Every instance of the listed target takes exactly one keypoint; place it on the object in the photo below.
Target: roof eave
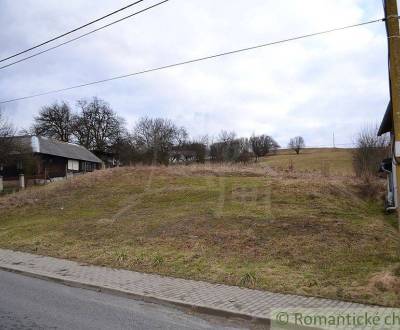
(387, 121)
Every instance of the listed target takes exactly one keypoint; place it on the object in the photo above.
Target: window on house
(73, 165)
(89, 167)
(19, 165)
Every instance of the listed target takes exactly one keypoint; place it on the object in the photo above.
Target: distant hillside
(328, 160)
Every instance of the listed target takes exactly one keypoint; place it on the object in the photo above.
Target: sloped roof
(387, 121)
(42, 145)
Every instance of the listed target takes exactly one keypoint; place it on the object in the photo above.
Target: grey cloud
(311, 87)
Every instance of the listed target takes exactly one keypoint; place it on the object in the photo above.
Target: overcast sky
(313, 87)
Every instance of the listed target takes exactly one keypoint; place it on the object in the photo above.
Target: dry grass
(325, 161)
(252, 226)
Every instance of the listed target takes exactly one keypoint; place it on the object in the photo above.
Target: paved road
(28, 303)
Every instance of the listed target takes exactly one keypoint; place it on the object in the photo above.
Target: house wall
(9, 171)
(21, 164)
(42, 166)
(88, 166)
(58, 166)
(51, 166)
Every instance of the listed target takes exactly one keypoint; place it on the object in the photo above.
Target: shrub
(158, 260)
(263, 145)
(248, 279)
(370, 150)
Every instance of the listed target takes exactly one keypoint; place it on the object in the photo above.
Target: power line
(191, 61)
(81, 36)
(71, 31)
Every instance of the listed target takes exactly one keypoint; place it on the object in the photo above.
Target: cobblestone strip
(216, 297)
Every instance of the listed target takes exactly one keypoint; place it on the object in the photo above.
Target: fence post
(22, 181)
(1, 184)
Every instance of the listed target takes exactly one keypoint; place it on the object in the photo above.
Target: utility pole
(392, 25)
(334, 146)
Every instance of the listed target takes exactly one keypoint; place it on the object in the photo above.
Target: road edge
(142, 297)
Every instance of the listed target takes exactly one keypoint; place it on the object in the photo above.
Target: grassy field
(258, 226)
(326, 161)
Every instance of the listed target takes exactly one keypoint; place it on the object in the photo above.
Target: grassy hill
(259, 226)
(324, 160)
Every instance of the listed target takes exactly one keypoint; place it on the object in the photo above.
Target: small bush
(370, 150)
(248, 279)
(158, 260)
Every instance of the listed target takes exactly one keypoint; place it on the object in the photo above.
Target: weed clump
(248, 279)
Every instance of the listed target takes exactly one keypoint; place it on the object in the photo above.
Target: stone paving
(222, 298)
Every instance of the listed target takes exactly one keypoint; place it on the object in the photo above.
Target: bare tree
(54, 121)
(228, 148)
(125, 150)
(223, 150)
(7, 143)
(82, 129)
(181, 136)
(217, 152)
(154, 138)
(263, 145)
(226, 136)
(97, 127)
(370, 150)
(243, 152)
(297, 143)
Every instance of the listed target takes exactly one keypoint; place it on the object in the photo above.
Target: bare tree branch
(54, 121)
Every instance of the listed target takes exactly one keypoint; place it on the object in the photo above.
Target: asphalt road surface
(29, 303)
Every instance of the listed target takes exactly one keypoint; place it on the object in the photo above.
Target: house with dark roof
(43, 158)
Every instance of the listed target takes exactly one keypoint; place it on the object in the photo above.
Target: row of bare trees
(97, 127)
(93, 124)
(152, 140)
(229, 148)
